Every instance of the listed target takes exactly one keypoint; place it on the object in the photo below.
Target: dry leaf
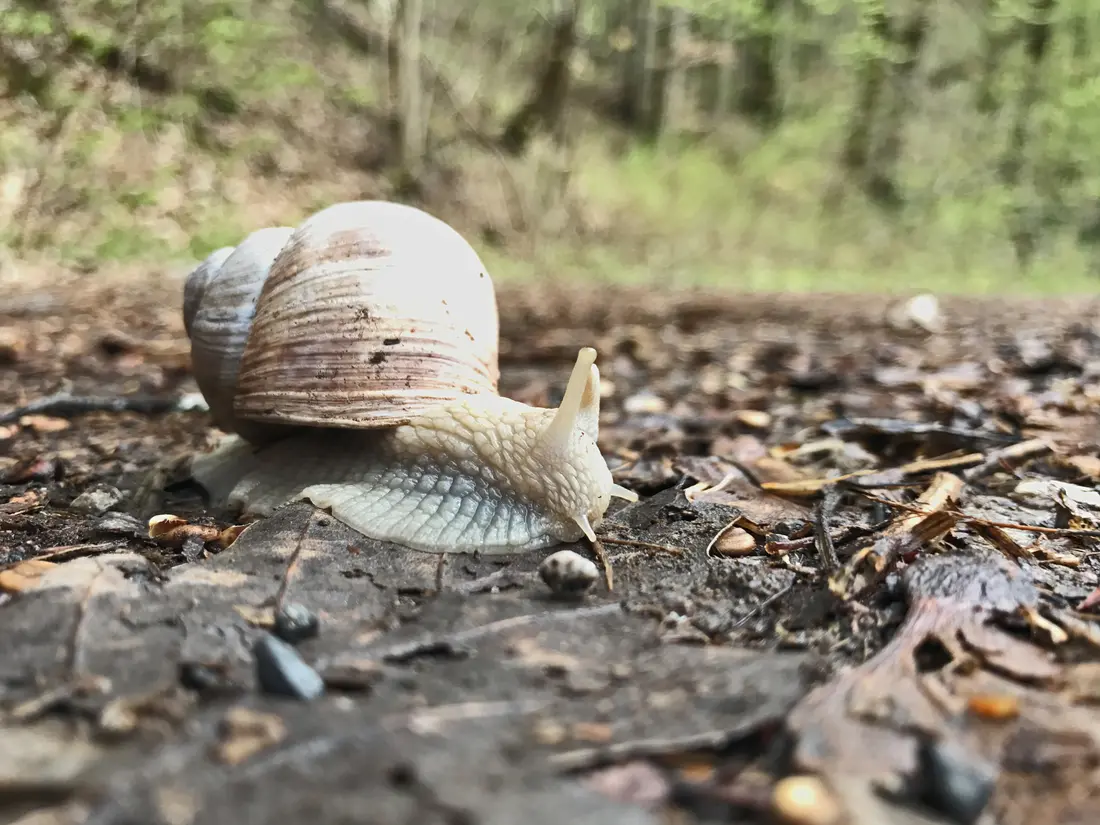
(757, 419)
(1086, 465)
(246, 732)
(24, 575)
(44, 423)
(591, 732)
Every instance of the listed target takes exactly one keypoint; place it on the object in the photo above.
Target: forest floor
(861, 561)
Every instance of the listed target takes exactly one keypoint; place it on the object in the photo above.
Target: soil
(858, 585)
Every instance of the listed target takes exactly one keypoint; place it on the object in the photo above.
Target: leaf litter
(860, 584)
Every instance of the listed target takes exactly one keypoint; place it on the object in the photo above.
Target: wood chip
(246, 732)
(24, 575)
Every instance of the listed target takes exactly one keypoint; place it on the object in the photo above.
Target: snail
(352, 363)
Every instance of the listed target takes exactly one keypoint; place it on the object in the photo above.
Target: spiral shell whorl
(197, 280)
(220, 325)
(372, 313)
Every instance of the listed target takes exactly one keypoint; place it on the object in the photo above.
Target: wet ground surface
(858, 583)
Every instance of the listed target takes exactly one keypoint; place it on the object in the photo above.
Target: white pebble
(568, 572)
(919, 312)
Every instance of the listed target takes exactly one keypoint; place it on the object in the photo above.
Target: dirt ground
(857, 586)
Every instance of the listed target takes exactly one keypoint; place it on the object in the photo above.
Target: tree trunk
(393, 64)
(546, 104)
(998, 40)
(759, 95)
(856, 155)
(674, 87)
(723, 90)
(1037, 35)
(807, 50)
(642, 66)
(881, 185)
(411, 128)
(1082, 42)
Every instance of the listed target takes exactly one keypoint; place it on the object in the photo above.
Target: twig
(62, 405)
(584, 758)
(69, 552)
(777, 548)
(645, 545)
(907, 534)
(823, 541)
(505, 577)
(764, 605)
(1007, 457)
(1029, 528)
(608, 576)
(291, 568)
(433, 719)
(1004, 525)
(453, 642)
(439, 568)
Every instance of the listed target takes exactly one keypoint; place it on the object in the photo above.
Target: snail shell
(219, 302)
(196, 284)
(355, 359)
(343, 336)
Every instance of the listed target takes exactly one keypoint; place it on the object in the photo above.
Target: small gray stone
(295, 623)
(954, 782)
(282, 672)
(97, 500)
(192, 402)
(121, 524)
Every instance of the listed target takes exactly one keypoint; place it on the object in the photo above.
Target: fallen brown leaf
(246, 732)
(44, 423)
(24, 575)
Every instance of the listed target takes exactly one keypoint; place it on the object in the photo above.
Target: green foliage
(24, 23)
(205, 118)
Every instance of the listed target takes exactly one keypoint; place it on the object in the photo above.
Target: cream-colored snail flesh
(353, 363)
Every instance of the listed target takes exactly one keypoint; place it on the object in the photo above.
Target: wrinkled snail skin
(464, 470)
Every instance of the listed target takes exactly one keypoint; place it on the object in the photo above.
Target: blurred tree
(1037, 38)
(759, 95)
(885, 84)
(545, 106)
(411, 122)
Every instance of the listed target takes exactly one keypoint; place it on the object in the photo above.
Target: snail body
(352, 361)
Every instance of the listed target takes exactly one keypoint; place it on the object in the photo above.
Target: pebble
(282, 672)
(954, 782)
(120, 524)
(805, 800)
(756, 419)
(97, 501)
(568, 572)
(295, 623)
(919, 312)
(192, 402)
(644, 402)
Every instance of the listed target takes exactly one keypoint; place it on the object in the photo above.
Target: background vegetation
(836, 144)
